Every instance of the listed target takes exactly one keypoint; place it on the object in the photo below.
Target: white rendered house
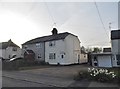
(115, 39)
(9, 50)
(58, 48)
(62, 48)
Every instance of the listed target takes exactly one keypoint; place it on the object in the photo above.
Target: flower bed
(101, 75)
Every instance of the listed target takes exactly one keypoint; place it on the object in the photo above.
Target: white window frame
(52, 43)
(38, 45)
(52, 56)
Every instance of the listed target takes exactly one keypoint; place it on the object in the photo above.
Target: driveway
(58, 76)
(50, 76)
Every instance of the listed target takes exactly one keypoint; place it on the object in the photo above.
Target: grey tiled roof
(4, 45)
(48, 38)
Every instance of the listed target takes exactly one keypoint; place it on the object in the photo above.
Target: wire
(54, 23)
(101, 19)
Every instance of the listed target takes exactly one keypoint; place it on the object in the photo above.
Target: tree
(88, 50)
(97, 50)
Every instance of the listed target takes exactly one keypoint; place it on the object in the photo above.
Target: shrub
(101, 75)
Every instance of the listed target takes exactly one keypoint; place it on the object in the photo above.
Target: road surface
(57, 76)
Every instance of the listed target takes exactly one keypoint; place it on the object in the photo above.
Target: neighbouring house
(35, 48)
(9, 50)
(115, 40)
(83, 57)
(58, 48)
(103, 59)
(110, 56)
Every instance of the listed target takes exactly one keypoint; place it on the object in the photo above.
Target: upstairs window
(38, 45)
(52, 56)
(52, 43)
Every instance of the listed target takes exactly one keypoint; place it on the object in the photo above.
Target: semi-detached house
(58, 48)
(9, 50)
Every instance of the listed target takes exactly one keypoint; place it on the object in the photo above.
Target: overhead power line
(52, 18)
(101, 20)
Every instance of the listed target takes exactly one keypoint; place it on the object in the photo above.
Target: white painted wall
(70, 46)
(115, 51)
(8, 51)
(58, 48)
(114, 61)
(115, 46)
(104, 61)
(83, 58)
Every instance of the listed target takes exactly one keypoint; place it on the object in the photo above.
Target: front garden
(20, 64)
(100, 75)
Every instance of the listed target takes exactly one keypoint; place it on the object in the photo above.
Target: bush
(101, 75)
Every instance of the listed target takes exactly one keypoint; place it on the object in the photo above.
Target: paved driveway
(58, 76)
(58, 71)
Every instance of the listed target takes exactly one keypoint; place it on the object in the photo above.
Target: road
(11, 82)
(51, 76)
(57, 76)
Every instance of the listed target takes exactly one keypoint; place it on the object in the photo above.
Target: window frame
(38, 45)
(52, 43)
(52, 56)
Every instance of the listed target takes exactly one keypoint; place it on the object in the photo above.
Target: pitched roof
(48, 38)
(4, 45)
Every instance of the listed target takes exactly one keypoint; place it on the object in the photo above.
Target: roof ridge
(48, 38)
(9, 43)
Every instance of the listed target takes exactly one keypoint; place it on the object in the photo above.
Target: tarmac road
(55, 76)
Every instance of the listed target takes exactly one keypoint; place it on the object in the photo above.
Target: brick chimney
(54, 31)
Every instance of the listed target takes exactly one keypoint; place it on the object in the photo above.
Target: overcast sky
(23, 21)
